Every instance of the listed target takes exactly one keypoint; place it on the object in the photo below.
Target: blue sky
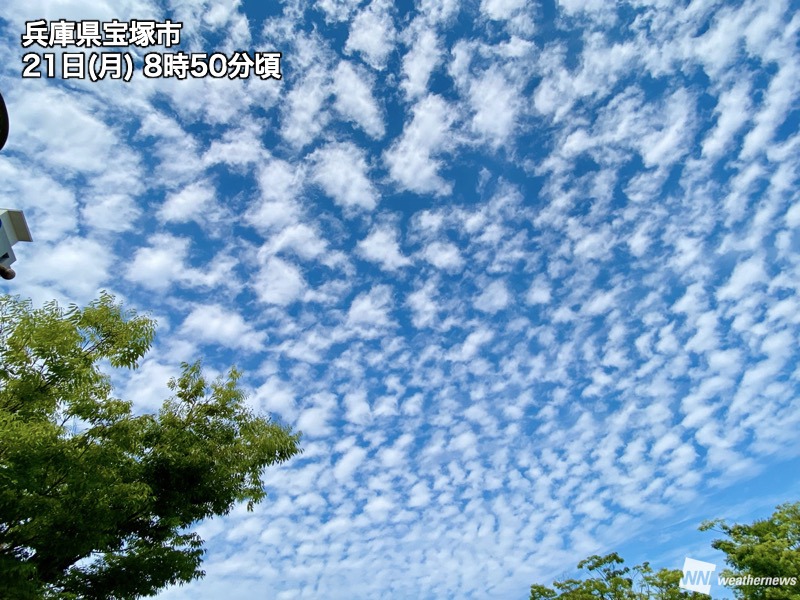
(526, 275)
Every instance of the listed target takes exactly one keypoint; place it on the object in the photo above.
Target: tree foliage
(95, 501)
(764, 561)
(610, 580)
(766, 549)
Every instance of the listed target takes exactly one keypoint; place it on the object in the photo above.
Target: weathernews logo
(697, 576)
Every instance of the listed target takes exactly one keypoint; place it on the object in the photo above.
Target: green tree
(611, 581)
(95, 501)
(764, 558)
(768, 548)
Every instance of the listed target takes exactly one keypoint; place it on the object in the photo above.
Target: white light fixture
(13, 229)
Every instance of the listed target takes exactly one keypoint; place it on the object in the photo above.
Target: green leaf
(120, 494)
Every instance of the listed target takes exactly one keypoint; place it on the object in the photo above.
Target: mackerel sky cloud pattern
(526, 274)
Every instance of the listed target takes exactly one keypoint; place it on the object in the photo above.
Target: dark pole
(3, 122)
(5, 272)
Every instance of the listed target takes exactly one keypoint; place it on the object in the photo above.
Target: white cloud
(381, 246)
(370, 310)
(238, 148)
(348, 463)
(372, 33)
(279, 184)
(378, 507)
(423, 305)
(276, 396)
(443, 255)
(780, 96)
(355, 101)
(424, 54)
(61, 131)
(51, 207)
(438, 11)
(419, 495)
(111, 212)
(159, 265)
(575, 6)
(164, 263)
(746, 273)
(411, 159)
(501, 9)
(614, 208)
(357, 408)
(666, 145)
(75, 265)
(279, 282)
(190, 203)
(214, 324)
(539, 292)
(496, 104)
(717, 47)
(494, 297)
(734, 111)
(338, 10)
(472, 344)
(793, 215)
(177, 150)
(341, 170)
(303, 115)
(315, 421)
(300, 238)
(147, 386)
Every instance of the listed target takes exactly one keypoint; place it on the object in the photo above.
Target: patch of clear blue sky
(666, 542)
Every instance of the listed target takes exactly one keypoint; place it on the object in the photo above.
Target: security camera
(13, 229)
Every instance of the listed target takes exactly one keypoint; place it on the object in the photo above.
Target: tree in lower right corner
(609, 579)
(766, 549)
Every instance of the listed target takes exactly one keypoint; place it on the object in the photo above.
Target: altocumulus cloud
(526, 275)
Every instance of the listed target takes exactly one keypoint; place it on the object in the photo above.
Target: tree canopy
(766, 549)
(610, 580)
(764, 561)
(96, 501)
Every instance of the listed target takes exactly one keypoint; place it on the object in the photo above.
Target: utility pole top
(4, 125)
(13, 227)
